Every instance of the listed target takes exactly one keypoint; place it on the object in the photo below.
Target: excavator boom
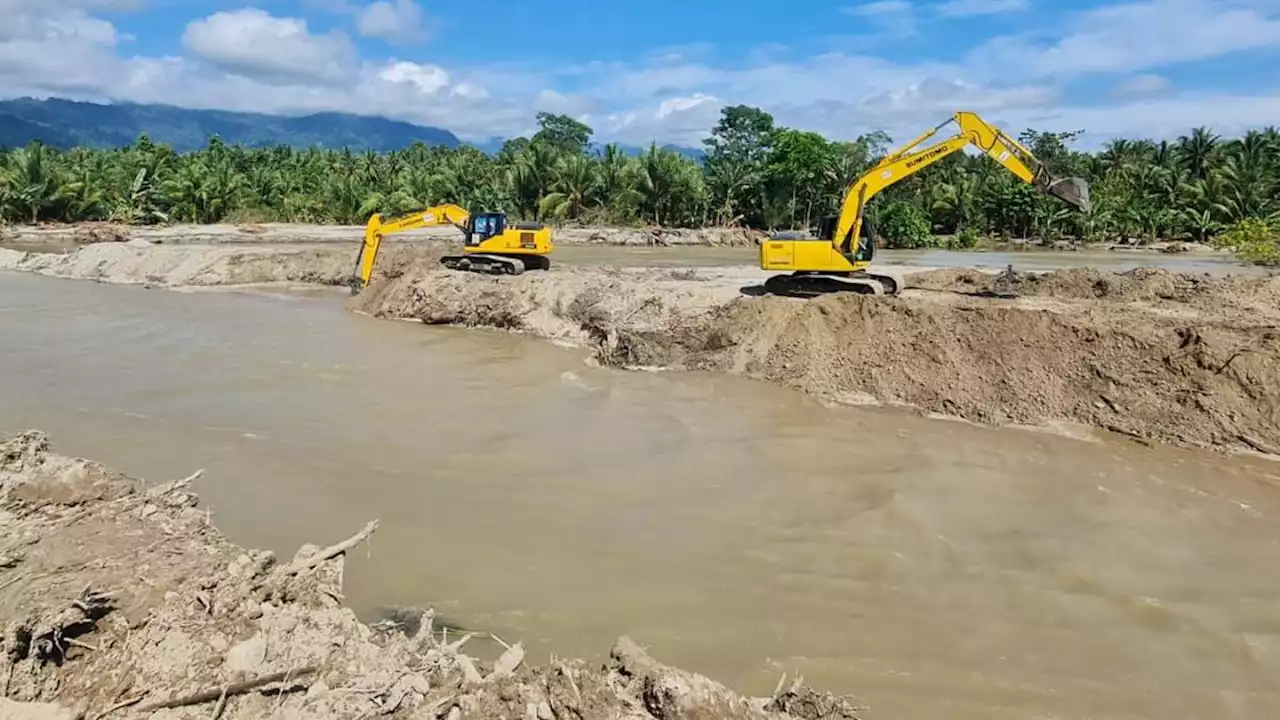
(846, 248)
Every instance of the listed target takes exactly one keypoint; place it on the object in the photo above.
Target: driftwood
(227, 691)
(119, 706)
(165, 488)
(302, 565)
(507, 664)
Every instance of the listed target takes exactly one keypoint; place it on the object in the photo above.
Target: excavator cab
(483, 226)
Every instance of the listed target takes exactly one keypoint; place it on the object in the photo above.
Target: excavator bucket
(1074, 191)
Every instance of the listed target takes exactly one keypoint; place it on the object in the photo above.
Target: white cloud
(681, 120)
(429, 79)
(547, 100)
(395, 21)
(896, 17)
(55, 46)
(1228, 114)
(976, 8)
(1135, 36)
(256, 44)
(1145, 84)
(55, 20)
(878, 8)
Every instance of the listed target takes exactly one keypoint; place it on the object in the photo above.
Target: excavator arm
(911, 159)
(837, 259)
(377, 228)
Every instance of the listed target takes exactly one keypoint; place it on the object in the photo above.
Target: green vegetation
(1200, 187)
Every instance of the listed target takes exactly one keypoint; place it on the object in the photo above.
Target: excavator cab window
(827, 227)
(866, 242)
(485, 226)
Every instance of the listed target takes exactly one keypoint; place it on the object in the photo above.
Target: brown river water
(935, 568)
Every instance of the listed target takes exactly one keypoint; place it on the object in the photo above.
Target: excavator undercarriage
(812, 284)
(496, 264)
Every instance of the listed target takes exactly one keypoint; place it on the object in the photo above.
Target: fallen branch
(304, 564)
(1257, 444)
(165, 488)
(227, 691)
(222, 705)
(507, 664)
(120, 706)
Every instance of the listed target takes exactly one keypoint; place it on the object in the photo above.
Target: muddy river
(938, 569)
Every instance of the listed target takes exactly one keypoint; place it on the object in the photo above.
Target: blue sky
(662, 69)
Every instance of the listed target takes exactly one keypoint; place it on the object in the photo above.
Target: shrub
(966, 238)
(905, 226)
(1252, 240)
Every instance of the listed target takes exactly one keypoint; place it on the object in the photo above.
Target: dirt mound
(611, 309)
(86, 233)
(1139, 284)
(122, 599)
(1207, 384)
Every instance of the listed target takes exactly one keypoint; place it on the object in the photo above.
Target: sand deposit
(120, 599)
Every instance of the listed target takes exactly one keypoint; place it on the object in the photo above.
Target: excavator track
(496, 264)
(811, 284)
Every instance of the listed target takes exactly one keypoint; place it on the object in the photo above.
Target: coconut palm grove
(1199, 187)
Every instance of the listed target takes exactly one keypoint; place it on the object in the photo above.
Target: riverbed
(736, 528)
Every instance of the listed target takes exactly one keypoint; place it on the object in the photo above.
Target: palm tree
(576, 180)
(30, 179)
(1196, 151)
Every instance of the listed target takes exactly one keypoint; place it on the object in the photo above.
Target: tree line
(755, 173)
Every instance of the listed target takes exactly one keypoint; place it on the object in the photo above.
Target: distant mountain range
(69, 123)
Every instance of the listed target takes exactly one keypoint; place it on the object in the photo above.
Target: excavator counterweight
(838, 256)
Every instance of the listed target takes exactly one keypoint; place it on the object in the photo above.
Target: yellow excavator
(834, 261)
(491, 243)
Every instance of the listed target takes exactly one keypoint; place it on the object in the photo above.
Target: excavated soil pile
(122, 600)
(1150, 354)
(1141, 284)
